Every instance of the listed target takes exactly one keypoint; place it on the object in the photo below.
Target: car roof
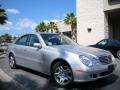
(38, 33)
(46, 33)
(112, 39)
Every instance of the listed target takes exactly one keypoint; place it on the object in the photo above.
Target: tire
(12, 61)
(62, 74)
(118, 54)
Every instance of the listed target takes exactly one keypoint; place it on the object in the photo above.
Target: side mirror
(37, 45)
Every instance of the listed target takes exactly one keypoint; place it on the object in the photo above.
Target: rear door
(20, 49)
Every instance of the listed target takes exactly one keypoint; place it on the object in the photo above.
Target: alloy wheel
(12, 62)
(63, 75)
(118, 54)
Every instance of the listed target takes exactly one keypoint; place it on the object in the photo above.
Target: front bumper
(93, 74)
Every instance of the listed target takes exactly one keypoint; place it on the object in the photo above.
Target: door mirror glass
(38, 45)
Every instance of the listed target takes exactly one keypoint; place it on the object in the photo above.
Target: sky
(24, 15)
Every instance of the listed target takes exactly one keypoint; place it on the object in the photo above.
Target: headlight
(86, 61)
(112, 57)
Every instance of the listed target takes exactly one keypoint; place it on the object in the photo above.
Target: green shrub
(1, 50)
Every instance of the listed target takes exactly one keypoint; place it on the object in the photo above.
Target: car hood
(77, 49)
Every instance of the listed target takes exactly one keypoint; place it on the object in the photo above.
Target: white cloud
(56, 20)
(14, 11)
(57, 16)
(21, 24)
(4, 27)
(7, 26)
(46, 21)
(53, 20)
(9, 23)
(25, 23)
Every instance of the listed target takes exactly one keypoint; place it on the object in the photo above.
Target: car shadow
(32, 84)
(35, 72)
(94, 85)
(98, 84)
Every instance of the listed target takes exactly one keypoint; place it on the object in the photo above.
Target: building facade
(63, 28)
(96, 20)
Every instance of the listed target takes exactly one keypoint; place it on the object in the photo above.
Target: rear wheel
(118, 54)
(62, 74)
(12, 61)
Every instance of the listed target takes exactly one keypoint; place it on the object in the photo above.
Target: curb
(9, 83)
(2, 55)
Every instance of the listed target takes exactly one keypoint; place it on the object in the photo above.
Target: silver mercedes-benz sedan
(60, 57)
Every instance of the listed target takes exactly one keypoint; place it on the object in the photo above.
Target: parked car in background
(2, 44)
(112, 45)
(59, 56)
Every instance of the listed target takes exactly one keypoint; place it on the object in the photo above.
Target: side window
(23, 40)
(33, 39)
(103, 43)
(114, 43)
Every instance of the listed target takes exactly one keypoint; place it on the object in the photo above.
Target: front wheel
(62, 74)
(118, 54)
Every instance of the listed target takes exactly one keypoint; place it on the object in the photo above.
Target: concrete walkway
(2, 55)
(7, 83)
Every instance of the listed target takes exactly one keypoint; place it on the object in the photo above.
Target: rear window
(22, 40)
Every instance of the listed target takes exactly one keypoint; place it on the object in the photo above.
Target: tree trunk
(57, 30)
(51, 30)
(74, 32)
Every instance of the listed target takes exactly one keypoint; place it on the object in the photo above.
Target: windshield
(115, 42)
(57, 39)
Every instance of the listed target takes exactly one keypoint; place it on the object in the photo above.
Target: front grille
(93, 75)
(105, 59)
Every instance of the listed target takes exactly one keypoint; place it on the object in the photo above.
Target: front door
(34, 55)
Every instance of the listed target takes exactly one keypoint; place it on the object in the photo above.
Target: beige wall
(90, 15)
(94, 14)
(62, 27)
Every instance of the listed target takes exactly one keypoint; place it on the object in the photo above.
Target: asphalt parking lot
(26, 79)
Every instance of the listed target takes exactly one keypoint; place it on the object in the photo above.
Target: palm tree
(71, 20)
(3, 16)
(6, 37)
(42, 27)
(52, 26)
